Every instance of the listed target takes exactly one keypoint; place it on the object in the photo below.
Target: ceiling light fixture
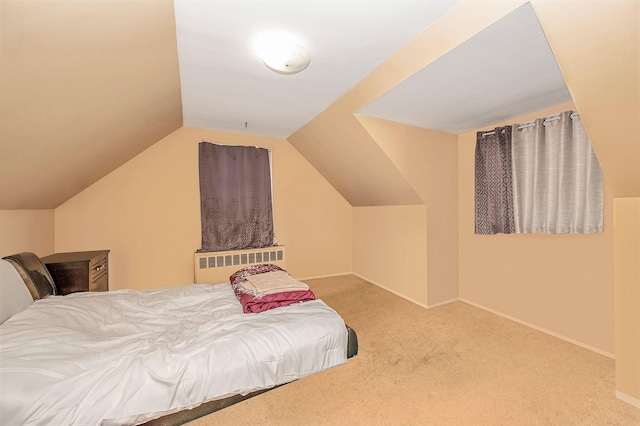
(282, 55)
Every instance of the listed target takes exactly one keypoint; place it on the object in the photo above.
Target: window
(235, 197)
(541, 176)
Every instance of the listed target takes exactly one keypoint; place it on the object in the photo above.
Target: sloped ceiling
(504, 71)
(87, 85)
(84, 87)
(596, 46)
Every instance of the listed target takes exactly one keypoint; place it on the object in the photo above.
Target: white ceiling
(505, 71)
(224, 84)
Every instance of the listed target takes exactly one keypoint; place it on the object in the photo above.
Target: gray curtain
(235, 197)
(493, 185)
(557, 179)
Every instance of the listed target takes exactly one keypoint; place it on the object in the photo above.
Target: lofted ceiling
(86, 86)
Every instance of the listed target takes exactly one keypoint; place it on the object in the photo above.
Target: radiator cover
(216, 267)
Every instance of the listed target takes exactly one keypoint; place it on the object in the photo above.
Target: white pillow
(14, 294)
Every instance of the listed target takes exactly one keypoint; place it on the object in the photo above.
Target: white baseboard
(628, 399)
(544, 330)
(392, 291)
(325, 276)
(455, 299)
(493, 311)
(446, 302)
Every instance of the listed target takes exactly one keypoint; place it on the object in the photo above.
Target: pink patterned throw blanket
(263, 287)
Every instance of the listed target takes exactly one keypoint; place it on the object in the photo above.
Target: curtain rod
(532, 124)
(493, 132)
(246, 146)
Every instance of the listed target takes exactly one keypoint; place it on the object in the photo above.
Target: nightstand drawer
(79, 271)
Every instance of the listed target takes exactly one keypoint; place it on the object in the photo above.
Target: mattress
(125, 357)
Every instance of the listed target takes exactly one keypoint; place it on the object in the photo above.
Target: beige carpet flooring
(450, 365)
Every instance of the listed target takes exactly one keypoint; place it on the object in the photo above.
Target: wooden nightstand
(79, 271)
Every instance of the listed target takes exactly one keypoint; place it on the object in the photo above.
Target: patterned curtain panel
(235, 197)
(493, 186)
(557, 178)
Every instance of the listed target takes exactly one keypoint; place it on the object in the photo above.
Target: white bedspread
(124, 357)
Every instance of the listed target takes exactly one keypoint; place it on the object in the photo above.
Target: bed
(163, 356)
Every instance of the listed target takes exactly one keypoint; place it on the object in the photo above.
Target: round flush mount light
(280, 53)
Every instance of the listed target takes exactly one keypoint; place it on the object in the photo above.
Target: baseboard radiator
(216, 267)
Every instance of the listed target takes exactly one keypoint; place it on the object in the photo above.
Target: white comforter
(124, 357)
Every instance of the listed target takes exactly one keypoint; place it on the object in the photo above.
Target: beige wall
(427, 159)
(147, 212)
(390, 249)
(560, 283)
(26, 230)
(627, 284)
